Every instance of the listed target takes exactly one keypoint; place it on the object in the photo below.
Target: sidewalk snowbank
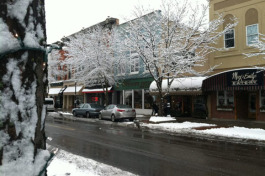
(236, 132)
(161, 119)
(66, 163)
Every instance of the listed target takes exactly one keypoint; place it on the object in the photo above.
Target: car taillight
(133, 110)
(120, 110)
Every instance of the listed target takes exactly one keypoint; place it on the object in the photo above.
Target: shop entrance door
(187, 106)
(242, 104)
(252, 105)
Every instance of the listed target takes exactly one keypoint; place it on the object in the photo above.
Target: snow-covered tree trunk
(22, 87)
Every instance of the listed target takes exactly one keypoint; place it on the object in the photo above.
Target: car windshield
(123, 106)
(48, 102)
(96, 106)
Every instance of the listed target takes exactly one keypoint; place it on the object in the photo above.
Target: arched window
(252, 27)
(229, 37)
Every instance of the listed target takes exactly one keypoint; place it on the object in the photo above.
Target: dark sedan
(88, 110)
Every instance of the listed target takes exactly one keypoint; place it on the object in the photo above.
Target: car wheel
(87, 115)
(113, 118)
(99, 117)
(131, 119)
(74, 114)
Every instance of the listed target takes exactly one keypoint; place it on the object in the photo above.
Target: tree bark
(31, 70)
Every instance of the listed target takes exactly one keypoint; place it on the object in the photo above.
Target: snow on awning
(180, 86)
(54, 91)
(96, 90)
(72, 90)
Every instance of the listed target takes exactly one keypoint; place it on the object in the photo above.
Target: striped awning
(239, 79)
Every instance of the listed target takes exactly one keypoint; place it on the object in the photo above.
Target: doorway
(246, 105)
(252, 105)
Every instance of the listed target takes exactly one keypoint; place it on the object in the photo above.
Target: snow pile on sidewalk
(66, 163)
(177, 127)
(161, 119)
(188, 127)
(236, 132)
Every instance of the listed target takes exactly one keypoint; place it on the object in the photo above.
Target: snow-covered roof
(72, 90)
(100, 90)
(180, 85)
(54, 91)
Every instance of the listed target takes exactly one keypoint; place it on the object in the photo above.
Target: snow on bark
(22, 36)
(20, 153)
(7, 39)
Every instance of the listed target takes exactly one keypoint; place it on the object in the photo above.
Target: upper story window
(251, 23)
(134, 62)
(230, 38)
(252, 34)
(121, 68)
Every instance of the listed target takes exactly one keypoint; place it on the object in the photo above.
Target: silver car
(116, 112)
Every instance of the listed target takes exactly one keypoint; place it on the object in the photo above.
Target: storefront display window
(138, 99)
(148, 100)
(225, 99)
(262, 100)
(128, 97)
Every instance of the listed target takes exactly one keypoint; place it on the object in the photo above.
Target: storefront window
(148, 100)
(138, 98)
(128, 97)
(225, 99)
(262, 100)
(176, 105)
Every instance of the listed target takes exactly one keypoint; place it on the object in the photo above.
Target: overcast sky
(65, 17)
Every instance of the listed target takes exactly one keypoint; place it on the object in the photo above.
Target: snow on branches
(174, 41)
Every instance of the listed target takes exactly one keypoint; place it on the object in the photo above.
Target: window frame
(225, 105)
(229, 39)
(247, 43)
(133, 63)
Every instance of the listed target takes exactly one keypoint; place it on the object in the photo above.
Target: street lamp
(168, 97)
(75, 95)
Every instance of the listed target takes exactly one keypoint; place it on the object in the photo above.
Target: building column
(123, 97)
(142, 98)
(132, 99)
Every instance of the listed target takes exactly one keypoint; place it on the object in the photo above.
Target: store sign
(94, 98)
(244, 78)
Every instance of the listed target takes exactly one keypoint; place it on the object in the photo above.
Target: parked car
(115, 112)
(88, 110)
(49, 103)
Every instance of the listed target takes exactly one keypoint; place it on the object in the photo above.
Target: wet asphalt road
(156, 154)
